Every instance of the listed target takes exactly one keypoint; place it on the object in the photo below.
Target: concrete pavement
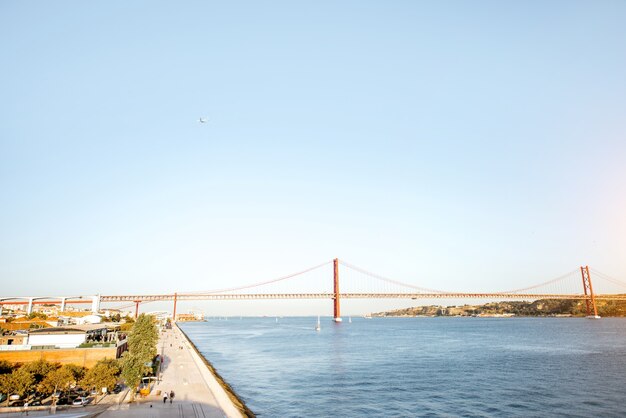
(197, 393)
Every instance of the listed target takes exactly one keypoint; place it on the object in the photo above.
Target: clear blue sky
(457, 145)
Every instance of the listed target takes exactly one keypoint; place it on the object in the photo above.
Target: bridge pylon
(137, 302)
(174, 311)
(336, 310)
(590, 299)
(95, 304)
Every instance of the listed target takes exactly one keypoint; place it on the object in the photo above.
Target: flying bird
(203, 120)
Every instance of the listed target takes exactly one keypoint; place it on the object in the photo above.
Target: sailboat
(318, 326)
(349, 319)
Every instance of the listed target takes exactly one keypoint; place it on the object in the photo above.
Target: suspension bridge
(576, 285)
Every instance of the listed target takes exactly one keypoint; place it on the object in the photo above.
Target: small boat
(318, 326)
(593, 317)
(349, 319)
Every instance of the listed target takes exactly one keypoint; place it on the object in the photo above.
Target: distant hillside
(542, 307)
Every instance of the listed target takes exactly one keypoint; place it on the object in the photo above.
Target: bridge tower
(137, 302)
(174, 312)
(590, 298)
(336, 311)
(95, 304)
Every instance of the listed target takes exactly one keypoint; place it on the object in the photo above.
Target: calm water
(404, 367)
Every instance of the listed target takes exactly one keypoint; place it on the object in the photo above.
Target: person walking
(164, 397)
(171, 396)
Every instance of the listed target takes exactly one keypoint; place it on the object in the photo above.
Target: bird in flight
(203, 120)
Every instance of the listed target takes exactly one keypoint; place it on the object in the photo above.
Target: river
(410, 367)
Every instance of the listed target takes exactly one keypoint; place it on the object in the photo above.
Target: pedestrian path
(197, 394)
(183, 375)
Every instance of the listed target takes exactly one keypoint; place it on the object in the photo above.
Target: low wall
(225, 396)
(86, 357)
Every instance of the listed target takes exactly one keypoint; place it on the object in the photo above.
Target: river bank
(226, 397)
(537, 308)
(183, 374)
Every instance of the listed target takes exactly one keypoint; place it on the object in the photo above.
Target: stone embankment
(197, 392)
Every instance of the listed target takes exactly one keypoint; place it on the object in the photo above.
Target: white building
(65, 337)
(89, 319)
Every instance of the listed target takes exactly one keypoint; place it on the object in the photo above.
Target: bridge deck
(211, 296)
(251, 296)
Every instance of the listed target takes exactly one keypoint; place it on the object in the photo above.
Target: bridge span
(587, 294)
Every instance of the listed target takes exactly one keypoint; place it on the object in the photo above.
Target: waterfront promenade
(197, 392)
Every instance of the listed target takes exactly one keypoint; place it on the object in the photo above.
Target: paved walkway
(197, 393)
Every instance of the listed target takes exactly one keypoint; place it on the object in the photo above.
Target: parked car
(117, 389)
(63, 401)
(80, 401)
(16, 403)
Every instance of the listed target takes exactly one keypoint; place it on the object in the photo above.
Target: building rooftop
(70, 329)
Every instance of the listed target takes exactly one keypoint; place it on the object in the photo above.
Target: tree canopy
(6, 385)
(19, 381)
(5, 367)
(39, 369)
(143, 337)
(102, 375)
(60, 379)
(142, 343)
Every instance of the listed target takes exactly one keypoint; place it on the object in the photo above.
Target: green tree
(77, 371)
(39, 369)
(126, 327)
(143, 337)
(59, 379)
(23, 381)
(5, 367)
(133, 369)
(6, 385)
(102, 375)
(18, 382)
(142, 343)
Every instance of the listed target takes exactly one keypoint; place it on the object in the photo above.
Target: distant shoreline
(560, 308)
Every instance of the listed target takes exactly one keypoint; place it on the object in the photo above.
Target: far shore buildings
(190, 316)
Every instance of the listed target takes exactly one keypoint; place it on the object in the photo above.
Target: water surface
(404, 367)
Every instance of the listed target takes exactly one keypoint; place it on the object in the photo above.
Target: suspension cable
(608, 278)
(541, 284)
(289, 276)
(388, 280)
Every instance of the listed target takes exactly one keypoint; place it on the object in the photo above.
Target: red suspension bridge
(567, 286)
